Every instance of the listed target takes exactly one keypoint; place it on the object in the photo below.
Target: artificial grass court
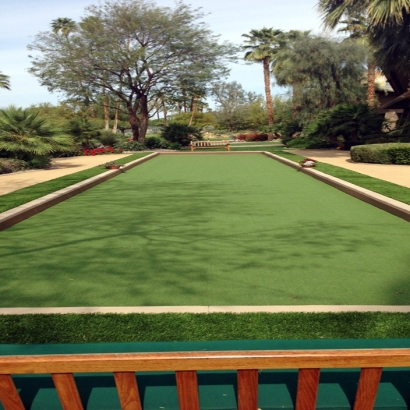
(207, 230)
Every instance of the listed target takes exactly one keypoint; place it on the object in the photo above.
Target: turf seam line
(206, 309)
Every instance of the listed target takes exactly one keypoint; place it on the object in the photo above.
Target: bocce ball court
(202, 230)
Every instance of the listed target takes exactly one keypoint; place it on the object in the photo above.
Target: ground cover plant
(22, 196)
(181, 230)
(168, 327)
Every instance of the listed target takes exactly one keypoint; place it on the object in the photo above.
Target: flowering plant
(101, 151)
(308, 163)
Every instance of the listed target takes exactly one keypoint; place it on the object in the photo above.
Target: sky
(21, 20)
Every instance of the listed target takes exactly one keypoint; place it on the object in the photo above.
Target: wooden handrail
(185, 361)
(186, 364)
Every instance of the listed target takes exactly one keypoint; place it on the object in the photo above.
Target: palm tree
(63, 25)
(66, 26)
(23, 133)
(381, 13)
(358, 27)
(262, 45)
(4, 81)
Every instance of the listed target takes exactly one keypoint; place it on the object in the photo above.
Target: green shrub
(175, 146)
(107, 138)
(180, 133)
(392, 153)
(40, 161)
(8, 165)
(156, 142)
(131, 146)
(304, 142)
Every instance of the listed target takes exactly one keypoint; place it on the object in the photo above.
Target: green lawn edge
(172, 327)
(24, 195)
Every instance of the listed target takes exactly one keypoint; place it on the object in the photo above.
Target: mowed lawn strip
(96, 328)
(207, 230)
(24, 195)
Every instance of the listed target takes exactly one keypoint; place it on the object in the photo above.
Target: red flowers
(101, 151)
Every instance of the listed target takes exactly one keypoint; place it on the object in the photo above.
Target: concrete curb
(20, 213)
(385, 203)
(204, 309)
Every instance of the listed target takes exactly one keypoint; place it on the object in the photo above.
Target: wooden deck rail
(186, 364)
(210, 144)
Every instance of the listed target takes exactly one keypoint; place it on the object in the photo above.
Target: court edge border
(203, 309)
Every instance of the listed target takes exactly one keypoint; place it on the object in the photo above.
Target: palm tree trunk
(194, 107)
(117, 109)
(106, 111)
(269, 105)
(371, 76)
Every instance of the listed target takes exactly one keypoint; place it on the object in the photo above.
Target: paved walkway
(398, 174)
(60, 167)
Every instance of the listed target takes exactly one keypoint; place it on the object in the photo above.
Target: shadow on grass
(200, 242)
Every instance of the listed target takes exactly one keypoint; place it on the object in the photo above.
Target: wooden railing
(210, 144)
(186, 364)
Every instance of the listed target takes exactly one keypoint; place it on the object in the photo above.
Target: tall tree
(133, 49)
(66, 26)
(327, 72)
(389, 27)
(261, 46)
(4, 81)
(357, 25)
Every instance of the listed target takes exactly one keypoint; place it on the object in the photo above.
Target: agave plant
(24, 134)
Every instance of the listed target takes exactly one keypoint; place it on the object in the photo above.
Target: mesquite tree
(134, 50)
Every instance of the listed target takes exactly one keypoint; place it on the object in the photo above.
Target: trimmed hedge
(393, 153)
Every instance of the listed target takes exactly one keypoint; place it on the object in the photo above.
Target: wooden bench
(247, 364)
(210, 144)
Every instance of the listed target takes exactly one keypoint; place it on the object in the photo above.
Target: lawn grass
(24, 195)
(207, 230)
(394, 191)
(167, 327)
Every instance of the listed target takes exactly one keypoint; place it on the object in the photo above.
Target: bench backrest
(186, 364)
(209, 143)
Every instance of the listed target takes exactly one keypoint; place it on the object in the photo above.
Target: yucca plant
(25, 135)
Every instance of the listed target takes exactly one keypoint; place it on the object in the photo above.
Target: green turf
(30, 193)
(207, 230)
(39, 329)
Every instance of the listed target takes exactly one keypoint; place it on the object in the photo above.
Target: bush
(175, 146)
(156, 142)
(40, 162)
(107, 138)
(303, 142)
(180, 133)
(131, 146)
(393, 153)
(8, 165)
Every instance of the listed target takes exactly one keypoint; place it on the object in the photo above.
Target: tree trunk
(269, 105)
(165, 112)
(106, 112)
(143, 118)
(193, 109)
(371, 76)
(117, 109)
